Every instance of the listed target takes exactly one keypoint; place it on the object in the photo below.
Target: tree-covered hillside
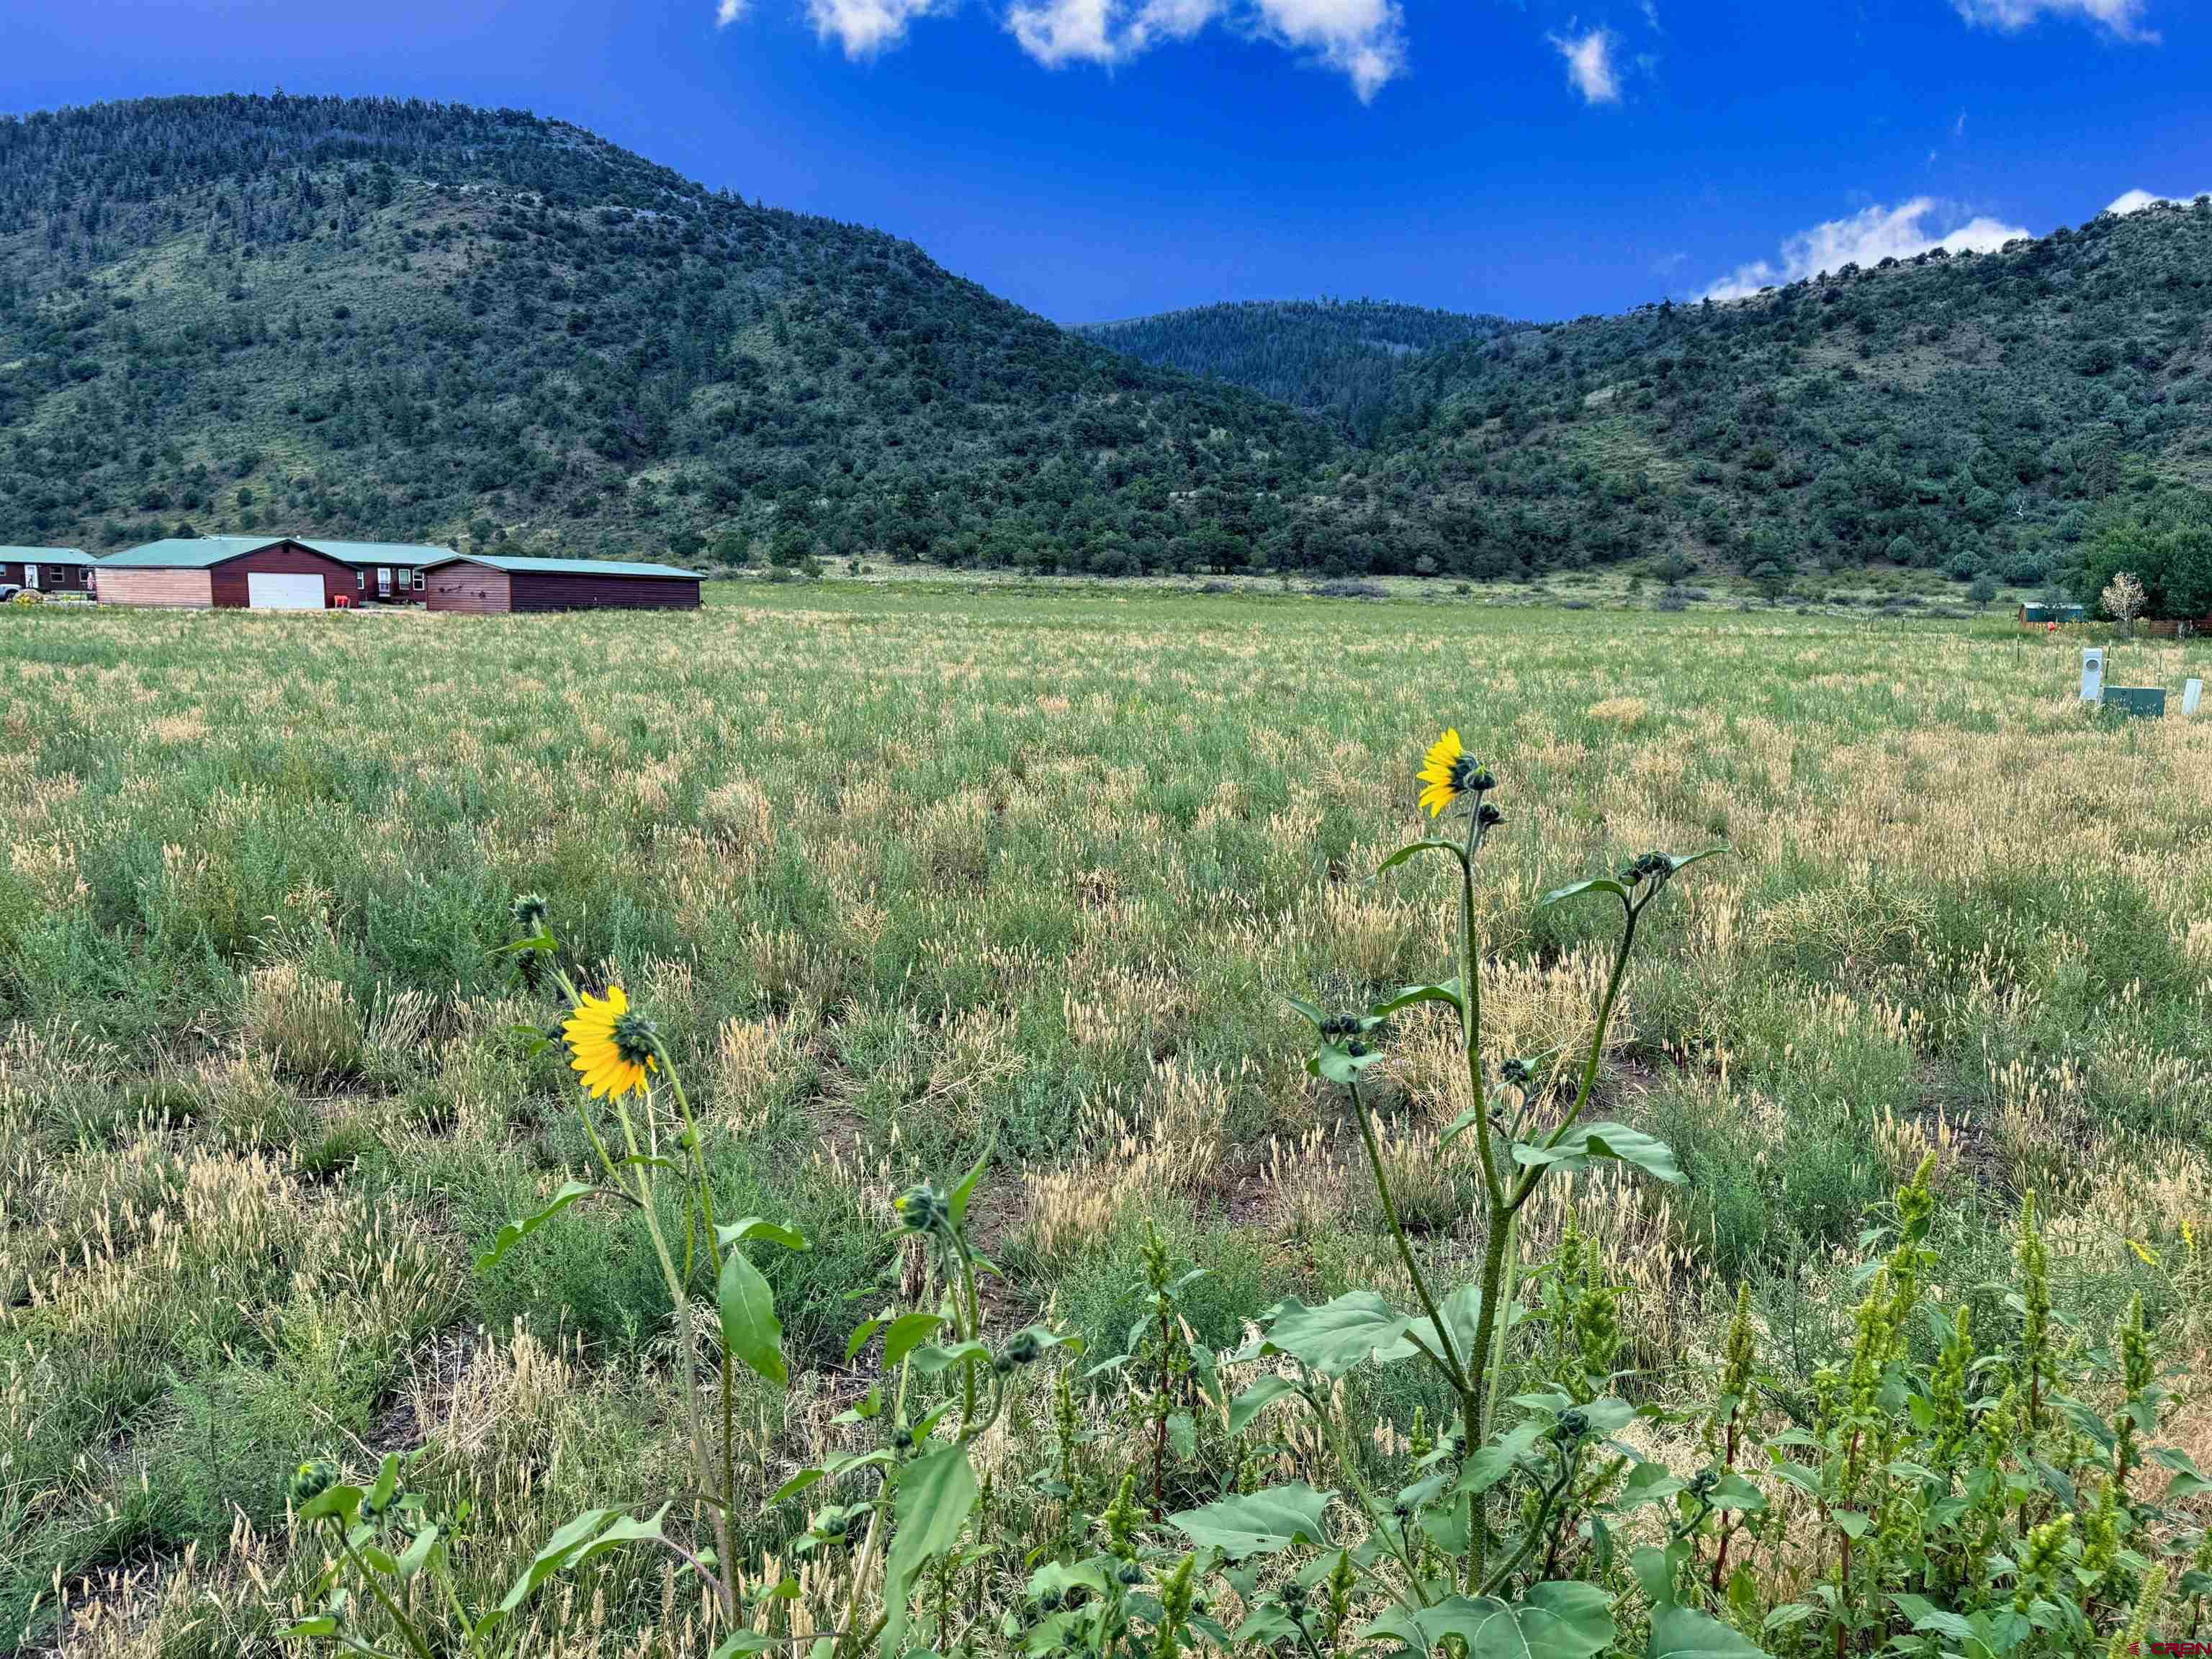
(408, 320)
(1977, 414)
(397, 320)
(1341, 357)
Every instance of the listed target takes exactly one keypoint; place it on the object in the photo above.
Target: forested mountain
(1970, 414)
(1341, 357)
(404, 320)
(394, 320)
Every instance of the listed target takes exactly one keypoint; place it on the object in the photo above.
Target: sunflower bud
(528, 911)
(1023, 1347)
(311, 1480)
(921, 1209)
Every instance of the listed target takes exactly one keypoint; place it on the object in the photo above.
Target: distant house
(2035, 616)
(264, 573)
(48, 569)
(486, 583)
(226, 572)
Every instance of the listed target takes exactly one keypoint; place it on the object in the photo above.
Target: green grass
(904, 869)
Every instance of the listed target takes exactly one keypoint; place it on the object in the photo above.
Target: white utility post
(2092, 674)
(2192, 693)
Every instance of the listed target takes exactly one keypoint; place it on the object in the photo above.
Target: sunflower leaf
(515, 1231)
(1423, 845)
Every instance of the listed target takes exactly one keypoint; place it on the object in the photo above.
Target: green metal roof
(570, 567)
(197, 553)
(186, 553)
(45, 555)
(379, 552)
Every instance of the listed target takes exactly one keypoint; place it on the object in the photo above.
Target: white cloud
(1866, 238)
(2123, 17)
(1364, 39)
(865, 28)
(1959, 126)
(2137, 200)
(1056, 32)
(728, 12)
(1590, 65)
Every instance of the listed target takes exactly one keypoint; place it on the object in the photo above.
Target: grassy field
(902, 869)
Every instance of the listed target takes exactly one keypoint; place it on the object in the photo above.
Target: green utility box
(2136, 702)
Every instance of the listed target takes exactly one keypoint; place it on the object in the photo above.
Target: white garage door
(269, 590)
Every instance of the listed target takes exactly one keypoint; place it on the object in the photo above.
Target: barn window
(419, 583)
(361, 581)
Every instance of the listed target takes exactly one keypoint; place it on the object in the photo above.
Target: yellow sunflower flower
(1439, 769)
(1449, 772)
(610, 1044)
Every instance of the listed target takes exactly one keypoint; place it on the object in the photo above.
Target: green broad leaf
(955, 1202)
(515, 1231)
(1460, 1124)
(1856, 1523)
(1427, 844)
(1576, 890)
(1735, 1492)
(861, 1332)
(1494, 1462)
(743, 1642)
(1339, 1335)
(1338, 1064)
(1313, 1014)
(1656, 1569)
(1686, 1633)
(906, 1333)
(322, 1624)
(750, 1330)
(935, 1493)
(1268, 1622)
(798, 1483)
(754, 1226)
(1791, 1614)
(1412, 995)
(1257, 1523)
(1182, 1434)
(1586, 1141)
(1805, 1480)
(1551, 1621)
(586, 1535)
(929, 1359)
(1461, 1312)
(2188, 1481)
(1682, 864)
(1647, 1483)
(341, 1502)
(1446, 1524)
(1256, 1399)
(413, 1557)
(1927, 1616)
(387, 1482)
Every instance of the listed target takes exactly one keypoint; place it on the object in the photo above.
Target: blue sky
(1106, 158)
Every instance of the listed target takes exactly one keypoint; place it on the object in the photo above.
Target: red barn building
(492, 584)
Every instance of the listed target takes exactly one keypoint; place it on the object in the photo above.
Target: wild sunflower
(1447, 772)
(611, 1044)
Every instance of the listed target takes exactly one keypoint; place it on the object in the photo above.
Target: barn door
(30, 575)
(384, 581)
